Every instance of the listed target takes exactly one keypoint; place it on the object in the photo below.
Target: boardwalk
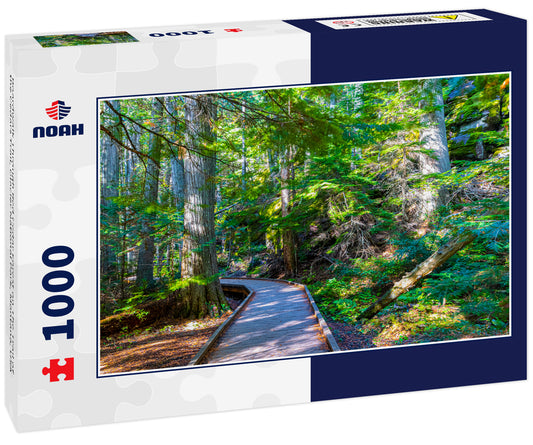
(278, 321)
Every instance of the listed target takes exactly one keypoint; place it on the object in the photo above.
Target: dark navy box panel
(396, 52)
(415, 368)
(413, 51)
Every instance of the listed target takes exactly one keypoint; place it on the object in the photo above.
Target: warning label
(402, 20)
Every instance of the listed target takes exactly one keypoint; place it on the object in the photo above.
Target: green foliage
(352, 157)
(477, 109)
(85, 39)
(135, 299)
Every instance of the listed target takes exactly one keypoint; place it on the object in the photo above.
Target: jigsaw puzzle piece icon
(55, 369)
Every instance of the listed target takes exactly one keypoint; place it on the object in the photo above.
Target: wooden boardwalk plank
(277, 322)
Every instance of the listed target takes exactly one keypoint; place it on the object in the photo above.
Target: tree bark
(177, 180)
(145, 259)
(288, 240)
(176, 157)
(203, 294)
(480, 149)
(433, 138)
(244, 161)
(130, 160)
(110, 174)
(357, 102)
(129, 166)
(409, 280)
(286, 174)
(272, 162)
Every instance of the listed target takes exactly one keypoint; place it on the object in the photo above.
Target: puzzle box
(267, 207)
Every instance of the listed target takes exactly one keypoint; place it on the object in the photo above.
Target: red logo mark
(58, 110)
(55, 370)
(233, 30)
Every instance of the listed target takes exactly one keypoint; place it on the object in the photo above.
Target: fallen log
(409, 280)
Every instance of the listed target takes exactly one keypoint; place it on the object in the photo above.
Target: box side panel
(58, 206)
(412, 52)
(398, 52)
(10, 237)
(135, 36)
(329, 24)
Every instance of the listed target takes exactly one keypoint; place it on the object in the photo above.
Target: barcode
(397, 21)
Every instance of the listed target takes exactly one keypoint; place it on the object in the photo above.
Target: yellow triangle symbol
(447, 17)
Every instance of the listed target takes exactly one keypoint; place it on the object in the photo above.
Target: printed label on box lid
(401, 20)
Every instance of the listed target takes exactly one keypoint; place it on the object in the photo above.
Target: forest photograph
(94, 38)
(258, 224)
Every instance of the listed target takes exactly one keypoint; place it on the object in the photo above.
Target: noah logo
(58, 111)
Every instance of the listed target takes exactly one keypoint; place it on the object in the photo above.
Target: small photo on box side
(261, 224)
(95, 38)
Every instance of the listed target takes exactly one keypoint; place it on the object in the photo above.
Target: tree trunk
(145, 259)
(480, 149)
(160, 252)
(286, 175)
(176, 157)
(272, 162)
(130, 165)
(110, 174)
(432, 138)
(131, 158)
(307, 163)
(170, 259)
(409, 280)
(357, 103)
(244, 161)
(203, 294)
(177, 180)
(287, 234)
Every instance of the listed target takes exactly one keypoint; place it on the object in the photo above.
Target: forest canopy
(389, 200)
